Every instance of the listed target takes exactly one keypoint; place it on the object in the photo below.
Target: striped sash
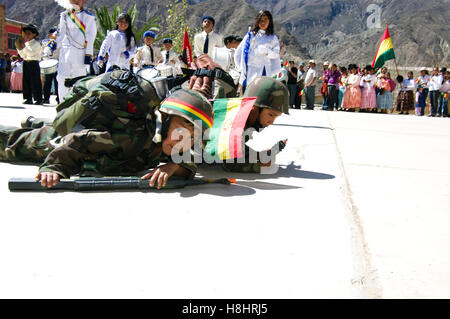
(79, 24)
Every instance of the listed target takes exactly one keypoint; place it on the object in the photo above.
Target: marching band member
(49, 51)
(170, 57)
(120, 44)
(76, 35)
(149, 54)
(30, 51)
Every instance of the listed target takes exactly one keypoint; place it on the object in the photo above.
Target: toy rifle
(108, 183)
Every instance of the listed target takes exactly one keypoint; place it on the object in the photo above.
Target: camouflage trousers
(26, 144)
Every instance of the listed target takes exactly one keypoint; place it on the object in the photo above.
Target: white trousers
(71, 65)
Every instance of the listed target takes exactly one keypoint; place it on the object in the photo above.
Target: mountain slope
(324, 29)
(338, 30)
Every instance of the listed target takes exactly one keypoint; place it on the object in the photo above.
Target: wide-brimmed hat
(32, 28)
(312, 61)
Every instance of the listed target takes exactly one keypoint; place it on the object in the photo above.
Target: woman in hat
(30, 51)
(120, 44)
(259, 52)
(16, 74)
(352, 95)
(369, 97)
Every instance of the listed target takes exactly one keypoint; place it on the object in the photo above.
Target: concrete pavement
(358, 209)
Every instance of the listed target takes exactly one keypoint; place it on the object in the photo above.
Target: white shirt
(144, 56)
(214, 40)
(31, 51)
(70, 37)
(408, 85)
(369, 77)
(436, 82)
(16, 67)
(264, 53)
(354, 80)
(425, 80)
(172, 56)
(115, 44)
(310, 76)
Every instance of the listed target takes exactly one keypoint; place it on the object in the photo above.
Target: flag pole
(395, 60)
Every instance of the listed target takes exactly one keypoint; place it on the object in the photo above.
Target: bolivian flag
(385, 51)
(230, 117)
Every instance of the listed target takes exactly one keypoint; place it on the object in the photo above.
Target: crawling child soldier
(110, 125)
(272, 101)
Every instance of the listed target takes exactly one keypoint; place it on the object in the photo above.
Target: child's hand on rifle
(161, 175)
(48, 179)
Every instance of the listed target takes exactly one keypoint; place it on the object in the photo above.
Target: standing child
(31, 53)
(120, 44)
(16, 74)
(259, 52)
(149, 54)
(420, 99)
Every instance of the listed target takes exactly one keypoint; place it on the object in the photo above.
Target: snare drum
(164, 70)
(222, 56)
(148, 73)
(49, 66)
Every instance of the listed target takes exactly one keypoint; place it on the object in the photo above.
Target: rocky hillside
(335, 30)
(339, 29)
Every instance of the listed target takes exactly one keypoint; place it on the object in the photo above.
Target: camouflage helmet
(270, 93)
(190, 105)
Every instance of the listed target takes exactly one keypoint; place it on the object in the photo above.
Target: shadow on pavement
(305, 126)
(13, 107)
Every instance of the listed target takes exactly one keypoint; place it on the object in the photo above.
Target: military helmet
(190, 105)
(270, 94)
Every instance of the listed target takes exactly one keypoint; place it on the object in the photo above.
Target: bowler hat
(32, 28)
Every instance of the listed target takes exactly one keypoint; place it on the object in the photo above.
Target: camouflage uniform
(122, 136)
(272, 94)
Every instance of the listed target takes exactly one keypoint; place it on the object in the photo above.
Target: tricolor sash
(79, 24)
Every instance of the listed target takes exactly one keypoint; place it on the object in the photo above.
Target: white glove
(262, 50)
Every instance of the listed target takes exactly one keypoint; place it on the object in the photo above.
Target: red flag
(187, 50)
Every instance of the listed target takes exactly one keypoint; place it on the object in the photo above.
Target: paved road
(358, 209)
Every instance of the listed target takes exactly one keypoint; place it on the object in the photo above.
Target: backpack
(95, 102)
